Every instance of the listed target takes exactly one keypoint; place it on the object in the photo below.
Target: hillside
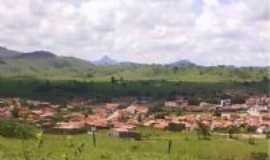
(47, 65)
(41, 64)
(7, 53)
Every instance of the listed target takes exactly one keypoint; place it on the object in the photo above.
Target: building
(124, 133)
(225, 102)
(5, 113)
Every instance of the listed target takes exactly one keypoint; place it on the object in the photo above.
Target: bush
(232, 131)
(203, 131)
(268, 135)
(179, 112)
(15, 129)
(258, 156)
(251, 141)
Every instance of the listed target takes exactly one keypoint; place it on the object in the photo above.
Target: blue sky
(208, 32)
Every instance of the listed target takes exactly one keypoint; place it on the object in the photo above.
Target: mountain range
(107, 61)
(47, 65)
(104, 61)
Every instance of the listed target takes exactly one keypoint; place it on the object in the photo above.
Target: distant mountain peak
(182, 63)
(106, 58)
(105, 61)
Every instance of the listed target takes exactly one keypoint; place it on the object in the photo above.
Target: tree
(179, 111)
(86, 111)
(113, 80)
(175, 69)
(265, 78)
(231, 131)
(15, 112)
(217, 113)
(121, 79)
(203, 131)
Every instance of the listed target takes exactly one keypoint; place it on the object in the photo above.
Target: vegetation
(154, 145)
(46, 65)
(57, 68)
(16, 129)
(44, 76)
(61, 91)
(203, 132)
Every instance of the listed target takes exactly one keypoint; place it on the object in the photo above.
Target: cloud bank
(208, 32)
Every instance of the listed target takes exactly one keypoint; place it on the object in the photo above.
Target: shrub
(258, 156)
(232, 130)
(268, 135)
(203, 131)
(251, 141)
(179, 112)
(15, 129)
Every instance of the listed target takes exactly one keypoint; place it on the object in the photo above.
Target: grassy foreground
(154, 146)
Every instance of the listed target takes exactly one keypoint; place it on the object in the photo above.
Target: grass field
(154, 146)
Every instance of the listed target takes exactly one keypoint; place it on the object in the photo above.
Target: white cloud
(160, 31)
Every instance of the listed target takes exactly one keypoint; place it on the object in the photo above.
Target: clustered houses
(40, 113)
(123, 117)
(257, 105)
(176, 103)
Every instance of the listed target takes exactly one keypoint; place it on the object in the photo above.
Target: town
(125, 114)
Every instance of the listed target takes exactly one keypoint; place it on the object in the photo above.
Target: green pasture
(153, 146)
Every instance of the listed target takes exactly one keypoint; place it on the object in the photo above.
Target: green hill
(46, 65)
(41, 64)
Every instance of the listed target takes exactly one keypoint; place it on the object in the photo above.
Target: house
(123, 125)
(5, 113)
(137, 109)
(160, 124)
(45, 113)
(144, 100)
(207, 106)
(254, 111)
(261, 101)
(225, 102)
(171, 104)
(225, 115)
(263, 130)
(157, 123)
(125, 133)
(69, 127)
(178, 102)
(23, 111)
(2, 103)
(101, 111)
(112, 107)
(194, 108)
(16, 102)
(97, 121)
(33, 117)
(78, 103)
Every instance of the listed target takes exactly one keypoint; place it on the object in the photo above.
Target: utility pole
(169, 146)
(93, 133)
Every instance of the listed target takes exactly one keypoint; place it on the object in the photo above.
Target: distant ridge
(182, 63)
(41, 64)
(105, 61)
(37, 55)
(44, 64)
(7, 53)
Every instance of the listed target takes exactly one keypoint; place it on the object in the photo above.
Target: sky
(207, 32)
